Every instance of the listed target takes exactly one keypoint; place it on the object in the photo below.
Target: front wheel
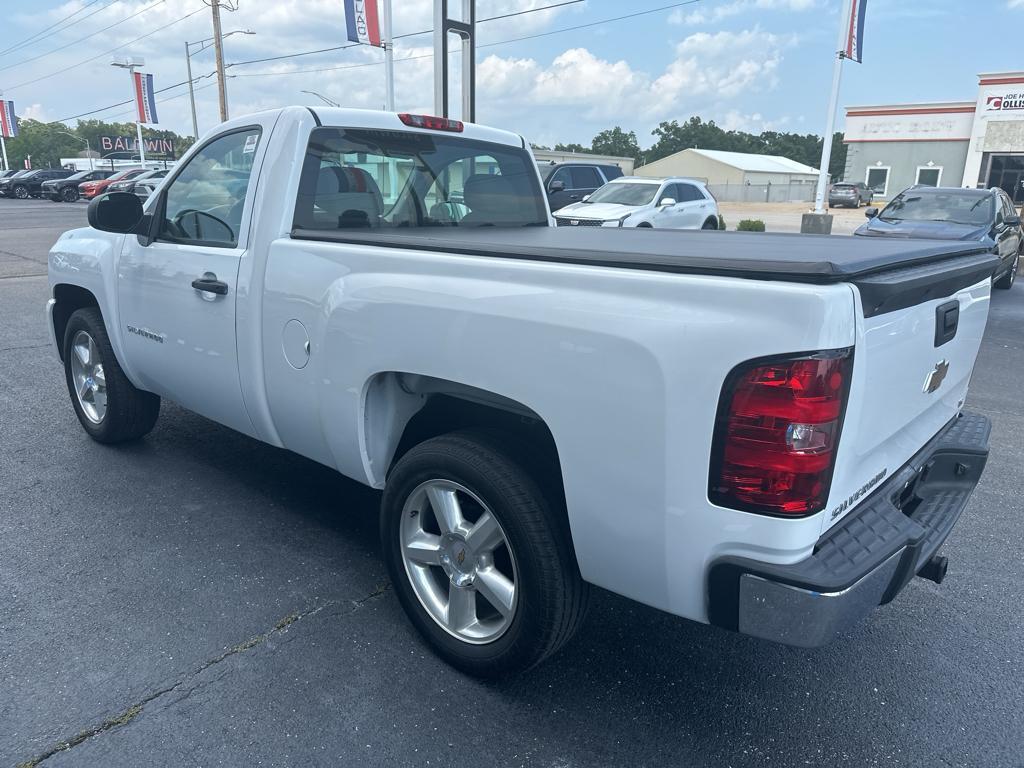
(1007, 280)
(69, 194)
(20, 192)
(109, 407)
(480, 560)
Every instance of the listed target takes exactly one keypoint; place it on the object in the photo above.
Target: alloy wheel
(88, 377)
(458, 561)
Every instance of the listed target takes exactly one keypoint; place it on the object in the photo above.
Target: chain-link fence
(793, 192)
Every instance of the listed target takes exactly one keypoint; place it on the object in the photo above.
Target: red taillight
(777, 433)
(434, 123)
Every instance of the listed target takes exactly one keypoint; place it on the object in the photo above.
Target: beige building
(548, 156)
(717, 167)
(739, 176)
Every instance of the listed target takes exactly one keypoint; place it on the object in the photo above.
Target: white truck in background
(761, 432)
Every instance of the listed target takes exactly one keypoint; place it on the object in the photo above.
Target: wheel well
(403, 410)
(69, 299)
(712, 220)
(645, 224)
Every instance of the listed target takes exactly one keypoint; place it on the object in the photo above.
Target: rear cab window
(383, 179)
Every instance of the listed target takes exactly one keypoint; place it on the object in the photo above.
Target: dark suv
(67, 189)
(567, 183)
(31, 184)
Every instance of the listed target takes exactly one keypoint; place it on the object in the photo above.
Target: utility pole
(389, 60)
(218, 49)
(191, 92)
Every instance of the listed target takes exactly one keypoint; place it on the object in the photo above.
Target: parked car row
(64, 185)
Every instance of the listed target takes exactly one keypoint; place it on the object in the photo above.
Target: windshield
(625, 193)
(355, 179)
(79, 175)
(947, 205)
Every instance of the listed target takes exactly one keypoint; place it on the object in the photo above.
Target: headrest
(484, 191)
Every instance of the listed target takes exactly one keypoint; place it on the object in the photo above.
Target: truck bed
(890, 274)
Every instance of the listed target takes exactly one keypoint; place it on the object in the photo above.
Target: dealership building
(976, 143)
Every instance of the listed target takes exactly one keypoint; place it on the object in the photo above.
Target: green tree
(616, 142)
(47, 143)
(570, 148)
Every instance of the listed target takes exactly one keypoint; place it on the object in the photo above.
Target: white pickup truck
(760, 432)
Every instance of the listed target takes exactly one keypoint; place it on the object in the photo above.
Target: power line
(75, 42)
(486, 45)
(129, 101)
(100, 55)
(399, 37)
(28, 40)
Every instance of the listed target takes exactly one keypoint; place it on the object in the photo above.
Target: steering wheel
(184, 233)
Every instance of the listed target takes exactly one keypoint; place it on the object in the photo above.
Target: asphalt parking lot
(199, 599)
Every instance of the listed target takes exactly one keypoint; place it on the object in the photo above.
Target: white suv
(637, 201)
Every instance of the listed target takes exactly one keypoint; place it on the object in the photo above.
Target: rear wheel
(481, 563)
(109, 407)
(1007, 280)
(69, 194)
(710, 224)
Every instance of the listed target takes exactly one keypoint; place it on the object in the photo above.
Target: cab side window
(562, 175)
(204, 202)
(585, 177)
(688, 193)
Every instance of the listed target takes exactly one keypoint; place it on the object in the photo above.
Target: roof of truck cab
(339, 117)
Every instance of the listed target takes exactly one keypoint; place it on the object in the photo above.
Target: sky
(747, 64)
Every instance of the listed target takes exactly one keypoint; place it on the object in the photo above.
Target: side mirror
(118, 212)
(871, 212)
(1012, 221)
(584, 198)
(667, 201)
(556, 186)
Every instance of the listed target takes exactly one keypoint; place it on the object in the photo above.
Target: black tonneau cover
(890, 273)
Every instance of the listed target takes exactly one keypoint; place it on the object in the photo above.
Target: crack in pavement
(30, 346)
(128, 715)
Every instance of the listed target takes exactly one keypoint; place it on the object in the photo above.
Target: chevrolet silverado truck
(764, 433)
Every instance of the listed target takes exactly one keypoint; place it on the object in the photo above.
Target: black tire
(20, 192)
(130, 412)
(1007, 280)
(69, 194)
(552, 597)
(644, 225)
(710, 224)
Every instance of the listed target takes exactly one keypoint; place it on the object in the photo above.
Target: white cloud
(715, 13)
(568, 96)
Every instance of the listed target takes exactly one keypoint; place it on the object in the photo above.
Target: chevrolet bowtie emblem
(936, 376)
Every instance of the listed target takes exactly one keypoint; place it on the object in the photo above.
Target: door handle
(210, 284)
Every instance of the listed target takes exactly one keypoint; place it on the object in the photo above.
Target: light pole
(189, 53)
(130, 64)
(87, 151)
(324, 99)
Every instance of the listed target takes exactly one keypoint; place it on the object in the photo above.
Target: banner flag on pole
(145, 99)
(8, 120)
(363, 22)
(855, 33)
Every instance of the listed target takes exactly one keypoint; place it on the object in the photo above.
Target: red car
(89, 189)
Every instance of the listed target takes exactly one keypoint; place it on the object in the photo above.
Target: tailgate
(913, 360)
